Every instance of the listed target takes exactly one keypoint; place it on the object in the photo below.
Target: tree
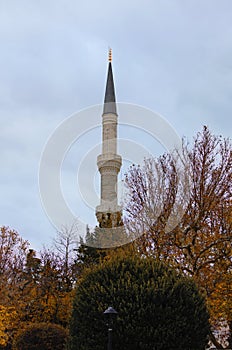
(8, 321)
(32, 288)
(157, 308)
(13, 253)
(47, 292)
(199, 241)
(220, 304)
(41, 336)
(65, 243)
(87, 254)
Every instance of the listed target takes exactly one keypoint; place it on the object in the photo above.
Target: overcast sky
(171, 56)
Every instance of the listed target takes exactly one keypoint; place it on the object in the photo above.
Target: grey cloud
(173, 57)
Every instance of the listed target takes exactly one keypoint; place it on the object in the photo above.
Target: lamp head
(110, 315)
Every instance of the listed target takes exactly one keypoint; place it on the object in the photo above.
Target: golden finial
(110, 55)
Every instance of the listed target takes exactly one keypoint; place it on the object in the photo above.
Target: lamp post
(110, 315)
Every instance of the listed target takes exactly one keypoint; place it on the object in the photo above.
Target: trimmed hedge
(42, 336)
(157, 308)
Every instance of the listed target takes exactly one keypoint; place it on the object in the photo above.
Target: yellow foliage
(220, 301)
(8, 317)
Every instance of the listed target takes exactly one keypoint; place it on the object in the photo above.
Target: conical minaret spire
(109, 162)
(110, 100)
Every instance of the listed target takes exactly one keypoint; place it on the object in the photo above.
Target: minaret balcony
(109, 161)
(108, 207)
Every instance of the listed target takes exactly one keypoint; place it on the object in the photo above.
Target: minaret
(109, 213)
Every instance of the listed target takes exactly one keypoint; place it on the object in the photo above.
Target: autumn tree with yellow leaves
(8, 321)
(198, 241)
(34, 288)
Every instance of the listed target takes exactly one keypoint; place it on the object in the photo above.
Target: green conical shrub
(157, 308)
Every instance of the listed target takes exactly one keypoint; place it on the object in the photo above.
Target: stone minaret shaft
(109, 213)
